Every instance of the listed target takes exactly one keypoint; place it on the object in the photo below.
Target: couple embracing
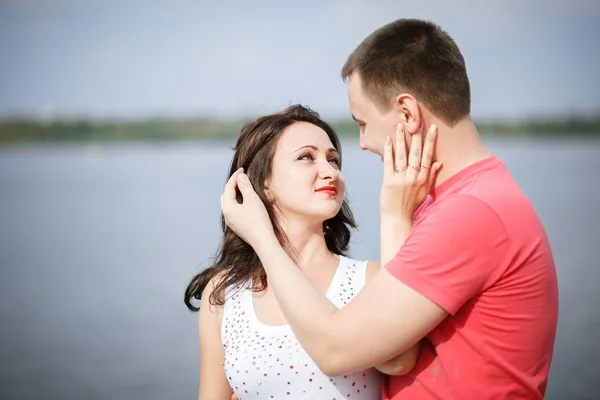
(463, 303)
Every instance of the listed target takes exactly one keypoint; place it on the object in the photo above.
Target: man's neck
(457, 148)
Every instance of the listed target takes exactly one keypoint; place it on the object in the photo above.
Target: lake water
(97, 243)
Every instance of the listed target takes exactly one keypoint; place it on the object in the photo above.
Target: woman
(293, 160)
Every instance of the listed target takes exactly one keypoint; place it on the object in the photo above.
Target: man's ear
(410, 113)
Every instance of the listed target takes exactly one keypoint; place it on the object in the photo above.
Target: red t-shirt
(479, 251)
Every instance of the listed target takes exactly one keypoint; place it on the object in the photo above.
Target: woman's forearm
(402, 364)
(393, 233)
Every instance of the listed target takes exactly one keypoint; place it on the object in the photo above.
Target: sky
(229, 59)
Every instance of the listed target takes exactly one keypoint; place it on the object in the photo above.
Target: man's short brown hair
(417, 57)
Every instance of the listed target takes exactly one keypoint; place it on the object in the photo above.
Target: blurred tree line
(19, 131)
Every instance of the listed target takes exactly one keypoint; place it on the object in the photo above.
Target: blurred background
(116, 122)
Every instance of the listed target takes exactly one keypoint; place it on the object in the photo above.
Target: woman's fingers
(400, 150)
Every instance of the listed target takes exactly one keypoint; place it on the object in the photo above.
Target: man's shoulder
(462, 206)
(490, 192)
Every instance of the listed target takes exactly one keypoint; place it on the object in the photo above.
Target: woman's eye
(335, 161)
(305, 157)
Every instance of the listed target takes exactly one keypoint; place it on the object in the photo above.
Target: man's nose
(363, 144)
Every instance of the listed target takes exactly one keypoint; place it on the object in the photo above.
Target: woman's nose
(329, 171)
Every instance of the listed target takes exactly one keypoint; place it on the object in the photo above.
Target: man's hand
(249, 219)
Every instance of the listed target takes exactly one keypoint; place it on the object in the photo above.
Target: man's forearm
(393, 234)
(332, 337)
(307, 310)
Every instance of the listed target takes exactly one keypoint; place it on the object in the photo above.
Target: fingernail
(243, 177)
(388, 141)
(433, 129)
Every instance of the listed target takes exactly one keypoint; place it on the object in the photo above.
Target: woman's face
(306, 180)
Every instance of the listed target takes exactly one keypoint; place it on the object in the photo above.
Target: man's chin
(377, 153)
(374, 151)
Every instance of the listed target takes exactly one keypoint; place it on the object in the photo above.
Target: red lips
(329, 190)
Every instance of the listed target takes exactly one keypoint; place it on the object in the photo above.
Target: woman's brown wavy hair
(237, 262)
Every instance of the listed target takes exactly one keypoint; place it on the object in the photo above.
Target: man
(475, 279)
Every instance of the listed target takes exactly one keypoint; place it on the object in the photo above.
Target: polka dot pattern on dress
(267, 362)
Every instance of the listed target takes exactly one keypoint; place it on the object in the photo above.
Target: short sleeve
(452, 252)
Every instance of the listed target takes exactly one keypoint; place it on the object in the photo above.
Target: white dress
(267, 362)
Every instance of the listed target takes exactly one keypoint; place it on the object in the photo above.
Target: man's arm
(447, 257)
(405, 362)
(354, 337)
